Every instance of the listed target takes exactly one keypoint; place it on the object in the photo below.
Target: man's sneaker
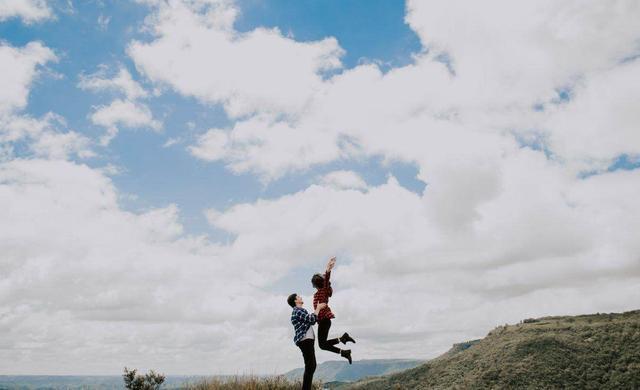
(346, 353)
(345, 337)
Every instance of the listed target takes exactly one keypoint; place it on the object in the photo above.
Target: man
(304, 338)
(324, 291)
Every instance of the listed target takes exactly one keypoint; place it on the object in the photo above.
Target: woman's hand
(331, 263)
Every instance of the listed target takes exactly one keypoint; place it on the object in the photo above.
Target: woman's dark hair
(317, 281)
(291, 299)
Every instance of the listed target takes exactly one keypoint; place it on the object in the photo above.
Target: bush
(150, 381)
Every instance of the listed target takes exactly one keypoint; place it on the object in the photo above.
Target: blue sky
(157, 176)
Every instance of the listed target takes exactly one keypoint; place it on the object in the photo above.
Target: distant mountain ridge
(596, 351)
(341, 371)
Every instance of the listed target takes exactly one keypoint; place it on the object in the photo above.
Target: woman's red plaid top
(322, 296)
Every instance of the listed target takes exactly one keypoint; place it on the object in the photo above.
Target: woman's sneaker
(345, 337)
(346, 353)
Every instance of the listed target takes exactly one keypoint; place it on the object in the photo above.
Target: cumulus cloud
(343, 180)
(519, 53)
(491, 71)
(273, 148)
(601, 122)
(20, 68)
(103, 22)
(75, 264)
(123, 113)
(128, 112)
(30, 11)
(196, 51)
(121, 82)
(45, 136)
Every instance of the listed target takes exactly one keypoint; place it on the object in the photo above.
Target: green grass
(599, 351)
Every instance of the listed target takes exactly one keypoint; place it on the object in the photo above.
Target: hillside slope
(598, 351)
(341, 370)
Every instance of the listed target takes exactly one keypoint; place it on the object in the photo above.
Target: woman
(324, 291)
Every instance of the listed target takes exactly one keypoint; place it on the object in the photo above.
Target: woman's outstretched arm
(331, 263)
(327, 275)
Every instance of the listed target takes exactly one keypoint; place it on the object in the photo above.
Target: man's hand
(319, 307)
(331, 263)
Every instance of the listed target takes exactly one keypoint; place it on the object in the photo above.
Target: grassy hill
(341, 370)
(598, 351)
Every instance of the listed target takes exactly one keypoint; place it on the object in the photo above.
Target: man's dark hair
(291, 299)
(317, 281)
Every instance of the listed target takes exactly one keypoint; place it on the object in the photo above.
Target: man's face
(299, 301)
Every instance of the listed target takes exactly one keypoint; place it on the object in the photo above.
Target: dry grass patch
(249, 383)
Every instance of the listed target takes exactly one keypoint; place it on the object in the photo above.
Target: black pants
(323, 332)
(309, 355)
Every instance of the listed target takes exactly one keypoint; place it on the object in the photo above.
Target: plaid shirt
(301, 320)
(322, 296)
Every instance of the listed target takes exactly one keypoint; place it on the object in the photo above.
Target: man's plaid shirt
(301, 320)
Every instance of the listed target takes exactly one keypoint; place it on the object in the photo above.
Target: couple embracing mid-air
(303, 322)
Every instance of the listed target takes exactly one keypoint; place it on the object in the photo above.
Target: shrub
(150, 381)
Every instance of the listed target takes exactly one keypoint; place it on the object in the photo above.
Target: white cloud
(122, 82)
(343, 180)
(83, 278)
(20, 68)
(211, 145)
(128, 112)
(30, 11)
(103, 22)
(123, 113)
(506, 59)
(601, 122)
(262, 145)
(111, 170)
(74, 264)
(197, 52)
(45, 136)
(171, 141)
(508, 53)
(62, 145)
